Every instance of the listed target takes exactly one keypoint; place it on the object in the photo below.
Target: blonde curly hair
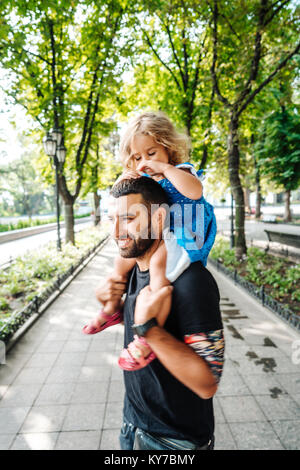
(158, 126)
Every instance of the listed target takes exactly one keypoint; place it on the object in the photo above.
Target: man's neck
(144, 260)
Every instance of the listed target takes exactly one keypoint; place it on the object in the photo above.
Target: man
(168, 404)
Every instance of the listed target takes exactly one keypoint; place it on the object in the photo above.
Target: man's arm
(180, 359)
(182, 362)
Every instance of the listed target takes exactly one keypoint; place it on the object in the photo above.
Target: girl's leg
(122, 267)
(158, 280)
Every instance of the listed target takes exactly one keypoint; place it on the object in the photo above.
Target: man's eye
(151, 154)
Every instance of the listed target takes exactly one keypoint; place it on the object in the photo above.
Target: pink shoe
(128, 362)
(111, 320)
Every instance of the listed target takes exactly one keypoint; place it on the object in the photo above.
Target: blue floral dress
(193, 222)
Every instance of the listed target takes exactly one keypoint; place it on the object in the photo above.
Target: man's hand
(111, 289)
(149, 304)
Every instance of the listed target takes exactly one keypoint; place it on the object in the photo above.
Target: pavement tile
(281, 407)
(6, 440)
(42, 359)
(223, 437)
(265, 386)
(74, 346)
(59, 335)
(55, 394)
(84, 417)
(94, 374)
(255, 365)
(110, 440)
(20, 395)
(78, 440)
(63, 374)
(10, 370)
(32, 375)
(232, 385)
(116, 372)
(296, 398)
(255, 436)
(98, 358)
(100, 346)
(288, 432)
(70, 359)
(116, 391)
(241, 409)
(218, 412)
(35, 441)
(50, 346)
(3, 389)
(113, 416)
(44, 419)
(290, 382)
(11, 419)
(94, 392)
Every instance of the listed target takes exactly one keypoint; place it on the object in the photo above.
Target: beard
(139, 245)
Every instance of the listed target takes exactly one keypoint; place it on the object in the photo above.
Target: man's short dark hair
(150, 190)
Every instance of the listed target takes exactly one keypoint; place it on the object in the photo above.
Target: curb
(35, 316)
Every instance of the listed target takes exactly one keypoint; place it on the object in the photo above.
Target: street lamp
(54, 149)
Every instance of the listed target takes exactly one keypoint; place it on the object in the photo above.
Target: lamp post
(57, 152)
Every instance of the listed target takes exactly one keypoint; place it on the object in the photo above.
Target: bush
(280, 276)
(34, 271)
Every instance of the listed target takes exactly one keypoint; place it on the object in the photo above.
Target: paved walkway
(61, 389)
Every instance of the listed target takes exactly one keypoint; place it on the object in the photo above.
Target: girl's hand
(128, 174)
(153, 167)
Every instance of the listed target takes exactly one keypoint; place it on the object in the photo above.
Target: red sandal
(128, 362)
(110, 320)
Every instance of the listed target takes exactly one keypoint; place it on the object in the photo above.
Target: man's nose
(115, 228)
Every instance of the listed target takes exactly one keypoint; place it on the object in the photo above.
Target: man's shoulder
(196, 280)
(195, 271)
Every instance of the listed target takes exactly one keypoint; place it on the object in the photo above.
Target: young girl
(151, 146)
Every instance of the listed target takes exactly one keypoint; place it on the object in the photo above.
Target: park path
(60, 389)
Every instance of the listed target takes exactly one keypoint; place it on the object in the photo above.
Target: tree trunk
(97, 215)
(236, 187)
(257, 186)
(287, 207)
(69, 223)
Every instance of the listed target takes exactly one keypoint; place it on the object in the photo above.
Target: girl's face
(144, 148)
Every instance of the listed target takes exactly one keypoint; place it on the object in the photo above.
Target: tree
(21, 183)
(251, 43)
(278, 151)
(63, 64)
(171, 67)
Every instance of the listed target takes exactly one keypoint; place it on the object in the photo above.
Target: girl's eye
(151, 154)
(137, 159)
